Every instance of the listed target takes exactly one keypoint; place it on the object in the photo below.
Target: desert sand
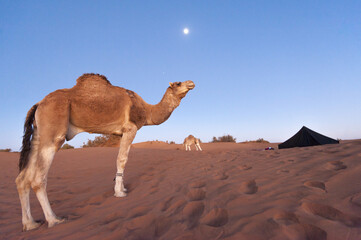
(227, 191)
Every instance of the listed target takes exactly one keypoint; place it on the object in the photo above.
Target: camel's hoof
(120, 194)
(125, 190)
(56, 222)
(32, 225)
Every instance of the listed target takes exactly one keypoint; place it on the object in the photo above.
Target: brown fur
(87, 77)
(93, 105)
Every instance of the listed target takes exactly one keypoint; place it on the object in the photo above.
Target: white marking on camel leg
(27, 219)
(50, 216)
(199, 146)
(196, 146)
(23, 186)
(125, 142)
(40, 181)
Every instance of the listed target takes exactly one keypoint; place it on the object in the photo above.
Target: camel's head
(181, 89)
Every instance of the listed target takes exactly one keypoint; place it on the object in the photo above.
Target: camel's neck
(159, 113)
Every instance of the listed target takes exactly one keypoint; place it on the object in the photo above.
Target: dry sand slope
(228, 191)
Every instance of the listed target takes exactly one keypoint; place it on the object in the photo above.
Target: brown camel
(188, 141)
(93, 105)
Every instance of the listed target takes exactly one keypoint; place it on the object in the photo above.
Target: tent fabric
(306, 137)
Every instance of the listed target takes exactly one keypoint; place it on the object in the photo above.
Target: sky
(262, 69)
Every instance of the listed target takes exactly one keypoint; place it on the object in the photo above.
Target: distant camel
(188, 141)
(93, 105)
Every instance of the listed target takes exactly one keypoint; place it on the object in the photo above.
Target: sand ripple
(217, 217)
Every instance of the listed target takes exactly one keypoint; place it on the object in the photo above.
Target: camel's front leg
(122, 159)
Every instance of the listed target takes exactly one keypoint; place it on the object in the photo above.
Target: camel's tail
(28, 132)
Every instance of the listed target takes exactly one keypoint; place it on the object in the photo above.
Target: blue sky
(262, 69)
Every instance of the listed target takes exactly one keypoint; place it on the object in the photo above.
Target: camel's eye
(178, 83)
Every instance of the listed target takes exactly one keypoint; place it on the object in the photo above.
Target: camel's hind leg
(23, 186)
(39, 182)
(199, 146)
(35, 176)
(53, 123)
(52, 120)
(195, 144)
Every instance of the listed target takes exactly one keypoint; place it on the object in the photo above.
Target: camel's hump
(91, 79)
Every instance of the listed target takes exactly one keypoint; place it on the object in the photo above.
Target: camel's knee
(38, 183)
(22, 182)
(37, 186)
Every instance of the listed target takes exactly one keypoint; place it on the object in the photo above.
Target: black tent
(306, 137)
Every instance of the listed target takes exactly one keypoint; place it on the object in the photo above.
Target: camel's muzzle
(190, 85)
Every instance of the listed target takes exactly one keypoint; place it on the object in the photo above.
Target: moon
(186, 31)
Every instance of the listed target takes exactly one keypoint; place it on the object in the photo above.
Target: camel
(93, 105)
(188, 141)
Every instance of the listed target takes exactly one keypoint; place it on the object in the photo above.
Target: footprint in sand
(335, 165)
(356, 199)
(196, 194)
(192, 212)
(315, 184)
(293, 229)
(304, 231)
(249, 187)
(245, 167)
(285, 218)
(331, 213)
(283, 171)
(217, 217)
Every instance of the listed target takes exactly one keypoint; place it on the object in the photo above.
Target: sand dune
(227, 191)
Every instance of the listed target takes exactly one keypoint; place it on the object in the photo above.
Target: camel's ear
(171, 84)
